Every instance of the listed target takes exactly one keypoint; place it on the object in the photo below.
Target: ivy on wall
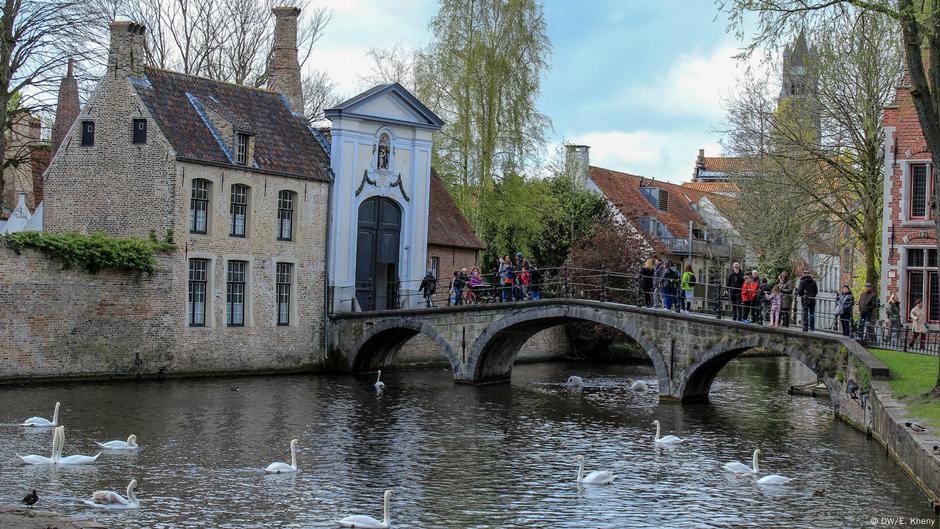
(94, 252)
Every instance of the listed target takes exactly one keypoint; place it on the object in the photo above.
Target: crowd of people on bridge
(511, 280)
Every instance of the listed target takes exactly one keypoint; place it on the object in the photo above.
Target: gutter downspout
(327, 302)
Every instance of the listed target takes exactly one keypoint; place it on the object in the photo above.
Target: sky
(641, 83)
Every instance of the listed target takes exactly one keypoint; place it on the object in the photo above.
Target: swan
(740, 468)
(773, 479)
(71, 460)
(108, 499)
(598, 477)
(368, 522)
(34, 459)
(666, 440)
(574, 381)
(378, 381)
(637, 385)
(130, 444)
(44, 423)
(281, 468)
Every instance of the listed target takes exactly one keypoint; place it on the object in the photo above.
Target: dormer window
(384, 151)
(658, 198)
(241, 148)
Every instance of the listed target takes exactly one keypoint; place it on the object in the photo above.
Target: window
(140, 131)
(199, 207)
(920, 190)
(383, 152)
(285, 215)
(235, 294)
(241, 148)
(655, 228)
(88, 133)
(658, 198)
(435, 266)
(922, 281)
(198, 281)
(283, 277)
(239, 210)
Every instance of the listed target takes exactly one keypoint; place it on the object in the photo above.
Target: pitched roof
(712, 187)
(728, 164)
(348, 108)
(623, 191)
(284, 144)
(446, 224)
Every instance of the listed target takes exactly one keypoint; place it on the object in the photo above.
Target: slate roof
(446, 224)
(623, 191)
(284, 144)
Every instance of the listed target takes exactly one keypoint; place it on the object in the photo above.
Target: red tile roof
(729, 164)
(712, 187)
(446, 224)
(623, 191)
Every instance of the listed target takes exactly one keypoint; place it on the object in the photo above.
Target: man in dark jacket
(428, 287)
(786, 298)
(807, 290)
(734, 283)
(867, 304)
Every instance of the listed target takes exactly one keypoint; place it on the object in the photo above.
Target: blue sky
(640, 82)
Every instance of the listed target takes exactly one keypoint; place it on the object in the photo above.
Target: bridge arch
(697, 378)
(383, 340)
(493, 352)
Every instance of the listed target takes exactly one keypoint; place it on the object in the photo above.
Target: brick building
(452, 244)
(909, 238)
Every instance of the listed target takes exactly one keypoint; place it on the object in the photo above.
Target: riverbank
(12, 517)
(912, 377)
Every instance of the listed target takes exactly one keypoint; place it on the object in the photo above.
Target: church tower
(797, 85)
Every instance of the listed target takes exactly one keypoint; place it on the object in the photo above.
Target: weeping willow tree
(482, 74)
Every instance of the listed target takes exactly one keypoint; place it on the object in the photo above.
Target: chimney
(284, 67)
(577, 162)
(127, 55)
(67, 108)
(699, 165)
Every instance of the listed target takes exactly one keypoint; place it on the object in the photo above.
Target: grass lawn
(912, 376)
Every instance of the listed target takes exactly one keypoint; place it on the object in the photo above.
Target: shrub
(93, 252)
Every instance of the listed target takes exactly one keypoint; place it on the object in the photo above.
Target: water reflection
(458, 456)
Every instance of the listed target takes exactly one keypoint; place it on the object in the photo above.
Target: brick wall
(450, 258)
(550, 344)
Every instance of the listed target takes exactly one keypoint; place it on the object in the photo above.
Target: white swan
(130, 444)
(108, 499)
(368, 522)
(283, 468)
(71, 460)
(378, 381)
(574, 381)
(637, 385)
(598, 477)
(666, 440)
(740, 468)
(774, 479)
(34, 459)
(44, 423)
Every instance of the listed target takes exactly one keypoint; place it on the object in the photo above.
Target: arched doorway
(377, 249)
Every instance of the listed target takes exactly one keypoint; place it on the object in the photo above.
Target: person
(733, 283)
(688, 288)
(918, 325)
(428, 287)
(658, 271)
(763, 300)
(456, 288)
(506, 279)
(867, 304)
(776, 302)
(473, 284)
(786, 298)
(844, 304)
(646, 283)
(668, 285)
(749, 299)
(808, 290)
(894, 313)
(535, 282)
(519, 289)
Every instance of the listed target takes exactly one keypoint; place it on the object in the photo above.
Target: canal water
(499, 456)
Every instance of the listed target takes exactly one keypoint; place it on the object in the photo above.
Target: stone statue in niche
(384, 152)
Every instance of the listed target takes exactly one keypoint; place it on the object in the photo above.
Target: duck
(30, 499)
(35, 459)
(108, 499)
(636, 385)
(597, 477)
(368, 522)
(283, 468)
(819, 492)
(574, 381)
(915, 427)
(378, 381)
(42, 422)
(71, 460)
(740, 468)
(130, 444)
(665, 440)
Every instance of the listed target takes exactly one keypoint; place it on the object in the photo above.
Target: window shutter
(663, 200)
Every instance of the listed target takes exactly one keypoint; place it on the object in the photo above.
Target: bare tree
(319, 94)
(392, 65)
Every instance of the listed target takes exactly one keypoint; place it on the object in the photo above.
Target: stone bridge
(687, 350)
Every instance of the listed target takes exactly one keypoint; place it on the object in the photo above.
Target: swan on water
(71, 460)
(108, 499)
(740, 468)
(44, 423)
(282, 468)
(574, 381)
(665, 440)
(368, 522)
(637, 385)
(774, 479)
(130, 444)
(598, 477)
(378, 381)
(34, 459)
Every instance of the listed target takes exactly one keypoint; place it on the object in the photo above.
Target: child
(776, 299)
